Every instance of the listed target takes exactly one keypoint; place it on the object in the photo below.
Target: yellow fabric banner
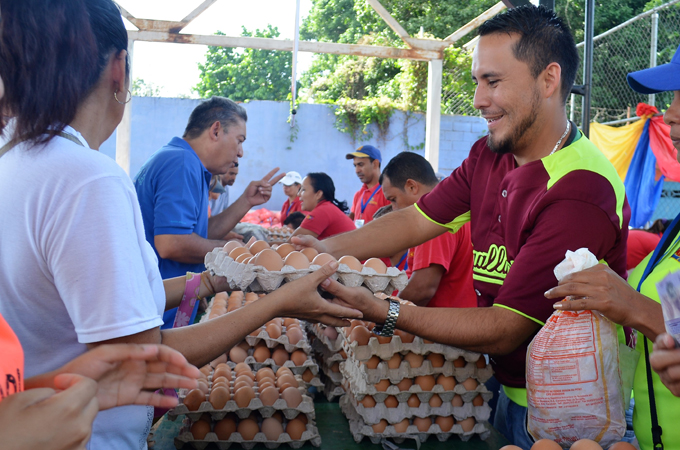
(617, 143)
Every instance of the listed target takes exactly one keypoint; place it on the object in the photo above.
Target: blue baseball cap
(365, 151)
(665, 77)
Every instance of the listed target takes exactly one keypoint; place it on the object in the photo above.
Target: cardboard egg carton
(302, 344)
(360, 429)
(249, 277)
(332, 345)
(332, 390)
(269, 362)
(186, 439)
(373, 415)
(281, 234)
(305, 407)
(325, 354)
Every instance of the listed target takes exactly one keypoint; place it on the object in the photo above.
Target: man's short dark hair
(408, 165)
(544, 39)
(294, 220)
(216, 109)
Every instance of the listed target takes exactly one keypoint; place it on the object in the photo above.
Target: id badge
(359, 223)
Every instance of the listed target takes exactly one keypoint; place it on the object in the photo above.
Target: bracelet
(387, 329)
(205, 279)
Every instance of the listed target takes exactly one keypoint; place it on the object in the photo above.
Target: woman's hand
(373, 308)
(126, 373)
(301, 299)
(42, 418)
(303, 241)
(665, 360)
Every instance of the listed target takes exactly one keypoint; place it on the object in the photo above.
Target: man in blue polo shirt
(173, 188)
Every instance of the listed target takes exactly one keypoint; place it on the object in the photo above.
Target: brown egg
(368, 402)
(265, 384)
(514, 447)
(426, 382)
(280, 355)
(547, 444)
(239, 384)
(307, 376)
(406, 338)
(261, 354)
(222, 370)
(380, 426)
(237, 354)
(203, 386)
(238, 251)
(477, 401)
(382, 385)
(405, 384)
(295, 428)
(272, 429)
(436, 359)
(481, 362)
(269, 395)
(360, 335)
(244, 258)
(351, 262)
(376, 264)
(250, 260)
(323, 258)
(298, 357)
(194, 399)
(285, 378)
(292, 396)
(284, 249)
(278, 416)
(229, 246)
(302, 418)
(243, 396)
(310, 253)
(447, 382)
(422, 423)
(291, 321)
(457, 401)
(219, 397)
(205, 370)
(297, 261)
(585, 444)
(255, 332)
(413, 401)
(257, 246)
(248, 428)
(264, 372)
(373, 362)
(269, 259)
(282, 370)
(470, 384)
(469, 423)
(401, 426)
(243, 369)
(460, 362)
(200, 429)
(435, 401)
(331, 333)
(394, 361)
(391, 401)
(288, 382)
(444, 422)
(225, 427)
(294, 334)
(414, 360)
(219, 360)
(622, 446)
(245, 377)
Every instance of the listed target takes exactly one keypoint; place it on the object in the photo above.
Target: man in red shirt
(440, 269)
(370, 197)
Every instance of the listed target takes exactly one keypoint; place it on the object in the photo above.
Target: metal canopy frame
(418, 49)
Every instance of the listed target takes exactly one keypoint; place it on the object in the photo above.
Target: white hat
(291, 178)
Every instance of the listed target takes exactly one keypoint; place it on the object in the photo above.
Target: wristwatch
(387, 329)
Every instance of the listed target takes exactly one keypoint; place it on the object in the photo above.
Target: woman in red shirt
(291, 187)
(326, 215)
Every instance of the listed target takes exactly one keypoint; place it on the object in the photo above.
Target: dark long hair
(52, 54)
(322, 182)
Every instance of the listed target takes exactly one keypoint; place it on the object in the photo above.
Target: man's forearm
(185, 248)
(221, 224)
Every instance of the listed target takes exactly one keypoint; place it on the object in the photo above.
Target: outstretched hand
(304, 241)
(373, 308)
(301, 299)
(260, 191)
(665, 360)
(126, 374)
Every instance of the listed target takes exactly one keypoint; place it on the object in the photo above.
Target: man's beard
(509, 144)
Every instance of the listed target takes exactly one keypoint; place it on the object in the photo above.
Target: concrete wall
(318, 146)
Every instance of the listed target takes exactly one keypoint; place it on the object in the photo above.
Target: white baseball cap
(291, 178)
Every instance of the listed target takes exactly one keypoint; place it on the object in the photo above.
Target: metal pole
(652, 50)
(572, 107)
(588, 66)
(124, 130)
(433, 115)
(295, 52)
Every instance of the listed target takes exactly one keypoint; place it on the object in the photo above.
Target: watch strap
(387, 329)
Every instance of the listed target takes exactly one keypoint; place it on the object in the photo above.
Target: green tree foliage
(141, 88)
(246, 74)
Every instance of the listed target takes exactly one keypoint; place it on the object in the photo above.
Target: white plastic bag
(574, 388)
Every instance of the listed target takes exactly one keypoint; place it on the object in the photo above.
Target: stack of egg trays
(248, 277)
(360, 382)
(360, 429)
(328, 352)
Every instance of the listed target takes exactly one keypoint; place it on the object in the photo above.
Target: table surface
(335, 435)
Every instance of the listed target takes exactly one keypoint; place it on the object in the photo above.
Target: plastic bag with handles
(574, 383)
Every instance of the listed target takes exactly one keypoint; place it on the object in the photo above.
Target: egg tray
(269, 362)
(360, 389)
(302, 344)
(360, 429)
(314, 382)
(373, 376)
(332, 345)
(185, 438)
(394, 415)
(332, 390)
(249, 277)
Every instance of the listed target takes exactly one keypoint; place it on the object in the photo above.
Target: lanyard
(661, 249)
(290, 206)
(402, 260)
(364, 205)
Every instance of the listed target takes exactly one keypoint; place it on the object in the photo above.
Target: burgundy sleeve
(561, 226)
